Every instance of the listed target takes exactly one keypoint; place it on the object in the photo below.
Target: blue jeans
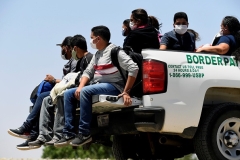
(32, 120)
(85, 106)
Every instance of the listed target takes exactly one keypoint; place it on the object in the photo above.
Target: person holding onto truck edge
(143, 34)
(229, 41)
(107, 81)
(31, 123)
(51, 125)
(179, 38)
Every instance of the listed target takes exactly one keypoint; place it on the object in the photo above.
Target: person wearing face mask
(216, 38)
(31, 124)
(80, 52)
(66, 54)
(125, 27)
(143, 34)
(107, 80)
(228, 43)
(179, 38)
(51, 131)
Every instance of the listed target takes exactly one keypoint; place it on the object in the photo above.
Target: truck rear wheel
(218, 135)
(123, 147)
(131, 146)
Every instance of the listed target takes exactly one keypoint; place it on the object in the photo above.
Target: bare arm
(51, 79)
(84, 80)
(222, 48)
(163, 47)
(126, 97)
(129, 84)
(127, 64)
(164, 41)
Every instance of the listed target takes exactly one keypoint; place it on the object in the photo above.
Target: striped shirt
(102, 70)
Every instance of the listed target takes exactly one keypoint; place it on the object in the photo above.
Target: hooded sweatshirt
(141, 38)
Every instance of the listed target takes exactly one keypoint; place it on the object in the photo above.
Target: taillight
(154, 77)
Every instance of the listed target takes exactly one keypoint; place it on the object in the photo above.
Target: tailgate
(107, 103)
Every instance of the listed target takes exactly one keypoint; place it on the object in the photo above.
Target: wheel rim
(228, 138)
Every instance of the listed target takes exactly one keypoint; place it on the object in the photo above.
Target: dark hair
(66, 42)
(140, 14)
(79, 41)
(196, 35)
(153, 21)
(234, 28)
(180, 15)
(102, 31)
(232, 23)
(126, 23)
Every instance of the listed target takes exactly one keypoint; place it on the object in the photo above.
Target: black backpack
(137, 89)
(82, 65)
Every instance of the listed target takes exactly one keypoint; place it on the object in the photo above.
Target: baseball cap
(66, 41)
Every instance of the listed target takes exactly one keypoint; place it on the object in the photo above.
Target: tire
(138, 147)
(123, 147)
(218, 135)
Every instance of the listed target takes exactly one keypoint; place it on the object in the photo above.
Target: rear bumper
(149, 119)
(130, 121)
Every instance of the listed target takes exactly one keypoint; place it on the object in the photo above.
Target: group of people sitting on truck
(52, 118)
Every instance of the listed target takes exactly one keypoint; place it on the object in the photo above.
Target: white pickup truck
(190, 105)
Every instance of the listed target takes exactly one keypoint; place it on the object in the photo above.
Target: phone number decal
(186, 75)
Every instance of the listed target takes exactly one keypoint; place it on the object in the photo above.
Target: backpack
(137, 89)
(44, 86)
(83, 65)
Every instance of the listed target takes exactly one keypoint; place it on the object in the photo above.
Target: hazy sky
(30, 30)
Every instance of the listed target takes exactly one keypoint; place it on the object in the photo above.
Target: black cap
(66, 41)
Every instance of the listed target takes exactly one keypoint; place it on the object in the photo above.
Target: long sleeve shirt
(102, 70)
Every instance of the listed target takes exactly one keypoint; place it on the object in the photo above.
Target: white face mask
(180, 29)
(132, 25)
(92, 44)
(63, 55)
(74, 55)
(123, 32)
(220, 32)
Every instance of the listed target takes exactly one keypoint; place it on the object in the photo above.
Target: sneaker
(64, 141)
(81, 140)
(51, 143)
(25, 146)
(36, 143)
(20, 133)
